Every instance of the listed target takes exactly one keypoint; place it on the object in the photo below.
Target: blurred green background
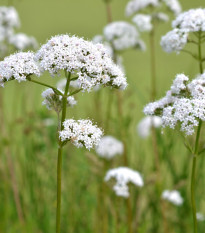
(28, 147)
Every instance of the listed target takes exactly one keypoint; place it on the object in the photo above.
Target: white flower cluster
(134, 6)
(122, 35)
(145, 125)
(173, 196)
(192, 20)
(75, 55)
(54, 101)
(173, 6)
(18, 66)
(21, 41)
(9, 20)
(143, 22)
(200, 217)
(109, 147)
(184, 104)
(123, 177)
(81, 133)
(187, 22)
(174, 41)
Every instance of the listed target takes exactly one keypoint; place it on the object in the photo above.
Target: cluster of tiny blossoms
(88, 61)
(145, 125)
(123, 35)
(9, 21)
(109, 147)
(123, 177)
(18, 66)
(186, 23)
(173, 196)
(81, 133)
(54, 101)
(184, 104)
(144, 21)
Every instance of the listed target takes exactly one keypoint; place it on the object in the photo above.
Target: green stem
(45, 85)
(59, 164)
(153, 65)
(196, 152)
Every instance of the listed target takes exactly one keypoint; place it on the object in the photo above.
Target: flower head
(54, 101)
(145, 125)
(18, 66)
(183, 105)
(81, 133)
(173, 196)
(174, 6)
(88, 61)
(9, 17)
(22, 42)
(134, 6)
(174, 41)
(109, 147)
(123, 177)
(122, 35)
(143, 22)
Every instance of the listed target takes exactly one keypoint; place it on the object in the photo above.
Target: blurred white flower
(143, 22)
(123, 177)
(121, 35)
(173, 196)
(200, 217)
(109, 147)
(174, 6)
(22, 42)
(81, 133)
(145, 125)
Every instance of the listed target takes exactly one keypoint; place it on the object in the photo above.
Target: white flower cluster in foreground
(81, 133)
(21, 41)
(173, 196)
(187, 22)
(123, 177)
(145, 125)
(54, 101)
(88, 61)
(9, 21)
(122, 35)
(18, 66)
(109, 147)
(184, 104)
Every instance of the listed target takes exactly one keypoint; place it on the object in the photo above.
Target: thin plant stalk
(59, 163)
(194, 162)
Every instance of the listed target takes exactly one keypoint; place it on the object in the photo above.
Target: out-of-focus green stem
(59, 163)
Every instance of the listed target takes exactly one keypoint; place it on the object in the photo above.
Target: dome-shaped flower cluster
(88, 61)
(9, 21)
(54, 101)
(184, 104)
(144, 22)
(109, 147)
(122, 35)
(18, 66)
(145, 125)
(81, 133)
(123, 177)
(173, 196)
(186, 23)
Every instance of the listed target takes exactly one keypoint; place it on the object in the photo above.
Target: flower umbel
(81, 133)
(124, 176)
